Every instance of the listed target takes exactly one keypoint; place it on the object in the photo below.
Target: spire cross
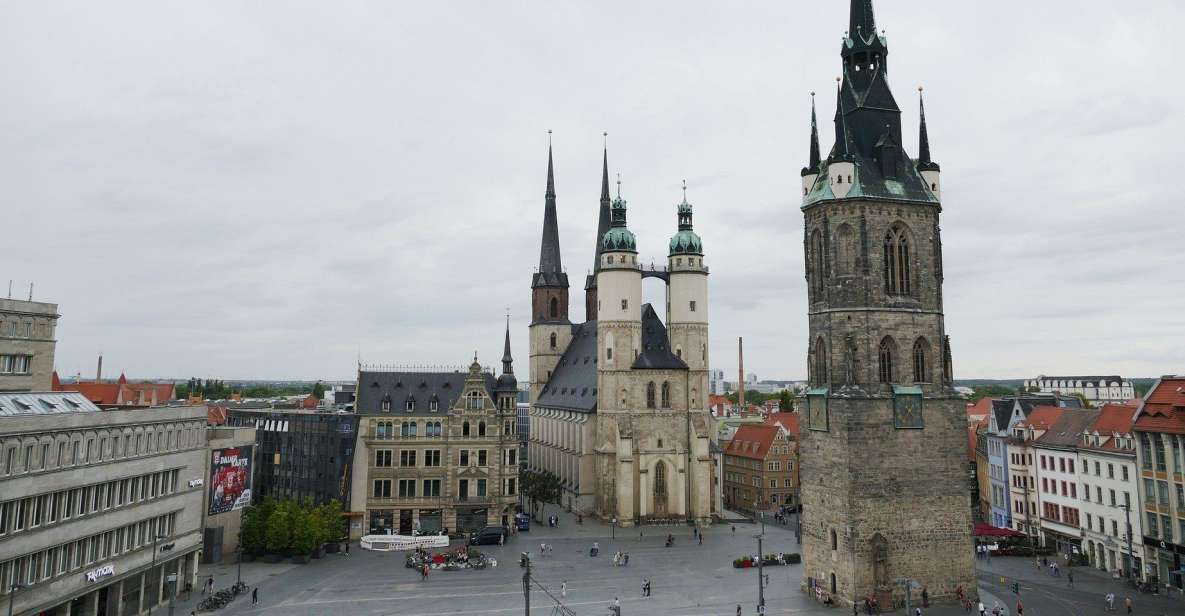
(684, 191)
(618, 185)
(549, 137)
(605, 139)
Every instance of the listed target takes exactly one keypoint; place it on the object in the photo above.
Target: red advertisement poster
(230, 479)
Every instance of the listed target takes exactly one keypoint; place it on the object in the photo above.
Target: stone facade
(884, 451)
(27, 344)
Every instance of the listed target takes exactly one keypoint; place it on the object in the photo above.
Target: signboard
(94, 575)
(193, 483)
(230, 479)
(386, 543)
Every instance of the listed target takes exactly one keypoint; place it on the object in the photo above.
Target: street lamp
(12, 595)
(1131, 556)
(613, 528)
(760, 578)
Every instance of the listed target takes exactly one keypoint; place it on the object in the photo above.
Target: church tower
(550, 329)
(687, 304)
(884, 481)
(603, 217)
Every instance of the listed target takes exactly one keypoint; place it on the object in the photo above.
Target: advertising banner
(230, 479)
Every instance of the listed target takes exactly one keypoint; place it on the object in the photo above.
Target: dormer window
(386, 404)
(410, 405)
(434, 405)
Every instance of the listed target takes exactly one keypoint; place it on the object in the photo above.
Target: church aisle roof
(573, 384)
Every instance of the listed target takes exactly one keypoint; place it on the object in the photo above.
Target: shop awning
(987, 530)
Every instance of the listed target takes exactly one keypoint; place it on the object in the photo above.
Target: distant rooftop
(44, 403)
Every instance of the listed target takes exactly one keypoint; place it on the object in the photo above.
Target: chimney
(741, 373)
(99, 370)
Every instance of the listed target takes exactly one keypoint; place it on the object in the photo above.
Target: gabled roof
(1067, 430)
(1043, 417)
(788, 421)
(122, 392)
(423, 387)
(573, 383)
(1163, 407)
(752, 441)
(979, 410)
(656, 353)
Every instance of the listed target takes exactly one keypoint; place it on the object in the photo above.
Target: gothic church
(619, 402)
(884, 458)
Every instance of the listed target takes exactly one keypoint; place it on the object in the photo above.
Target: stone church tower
(884, 459)
(550, 329)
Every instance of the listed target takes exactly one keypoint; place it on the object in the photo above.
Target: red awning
(987, 530)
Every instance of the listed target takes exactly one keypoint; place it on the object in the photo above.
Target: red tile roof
(1163, 408)
(788, 421)
(216, 415)
(122, 392)
(1114, 419)
(979, 409)
(1043, 417)
(752, 441)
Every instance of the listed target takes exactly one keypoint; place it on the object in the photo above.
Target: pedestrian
(543, 548)
(925, 597)
(643, 587)
(1127, 602)
(701, 538)
(982, 610)
(1070, 578)
(917, 611)
(501, 539)
(564, 588)
(625, 562)
(694, 531)
(738, 605)
(255, 596)
(734, 531)
(1020, 609)
(347, 548)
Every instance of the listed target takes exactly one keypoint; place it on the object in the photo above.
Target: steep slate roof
(1068, 429)
(1002, 409)
(551, 270)
(445, 386)
(573, 384)
(656, 353)
(752, 441)
(1163, 408)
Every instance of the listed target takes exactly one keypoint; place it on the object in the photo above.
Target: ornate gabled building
(640, 452)
(884, 487)
(436, 450)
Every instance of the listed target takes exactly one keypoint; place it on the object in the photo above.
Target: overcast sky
(275, 189)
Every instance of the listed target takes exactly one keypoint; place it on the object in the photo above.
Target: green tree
(332, 521)
(978, 392)
(304, 532)
(279, 535)
(541, 488)
(318, 391)
(786, 401)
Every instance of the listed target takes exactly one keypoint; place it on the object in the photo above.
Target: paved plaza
(687, 580)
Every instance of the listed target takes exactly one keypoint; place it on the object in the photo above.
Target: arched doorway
(660, 490)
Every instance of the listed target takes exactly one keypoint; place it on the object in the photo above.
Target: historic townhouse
(97, 508)
(760, 469)
(1023, 469)
(1058, 476)
(436, 450)
(1160, 436)
(1107, 456)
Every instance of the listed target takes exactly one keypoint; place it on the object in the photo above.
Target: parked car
(490, 535)
(522, 521)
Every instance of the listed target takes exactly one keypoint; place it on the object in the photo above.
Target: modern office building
(301, 454)
(99, 510)
(26, 344)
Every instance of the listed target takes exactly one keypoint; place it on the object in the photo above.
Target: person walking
(1020, 609)
(625, 559)
(564, 588)
(347, 548)
(255, 596)
(1070, 578)
(738, 605)
(1127, 602)
(982, 609)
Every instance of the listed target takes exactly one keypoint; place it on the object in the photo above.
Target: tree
(278, 533)
(786, 401)
(304, 531)
(541, 488)
(978, 392)
(319, 391)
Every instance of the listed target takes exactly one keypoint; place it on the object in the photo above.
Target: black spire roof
(507, 381)
(868, 122)
(603, 217)
(924, 162)
(813, 165)
(656, 353)
(551, 271)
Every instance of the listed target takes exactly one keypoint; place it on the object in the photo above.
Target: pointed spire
(841, 128)
(549, 249)
(924, 162)
(507, 360)
(814, 161)
(862, 21)
(604, 216)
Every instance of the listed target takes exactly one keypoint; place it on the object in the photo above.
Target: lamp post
(526, 583)
(12, 588)
(1131, 556)
(613, 528)
(760, 578)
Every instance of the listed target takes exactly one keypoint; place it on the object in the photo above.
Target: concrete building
(1107, 456)
(99, 508)
(436, 450)
(619, 402)
(27, 343)
(1160, 435)
(884, 452)
(220, 538)
(1095, 389)
(301, 454)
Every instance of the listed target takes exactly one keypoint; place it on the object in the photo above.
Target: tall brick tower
(884, 474)
(550, 329)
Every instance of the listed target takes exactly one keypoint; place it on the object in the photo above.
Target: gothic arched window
(896, 265)
(820, 362)
(845, 248)
(553, 340)
(555, 308)
(666, 395)
(650, 395)
(817, 264)
(921, 361)
(660, 479)
(887, 349)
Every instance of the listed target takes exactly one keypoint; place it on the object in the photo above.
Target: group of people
(621, 559)
(1110, 601)
(983, 552)
(553, 521)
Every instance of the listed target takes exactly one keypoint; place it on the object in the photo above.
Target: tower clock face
(909, 412)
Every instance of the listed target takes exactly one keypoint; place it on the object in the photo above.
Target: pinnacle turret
(813, 165)
(924, 162)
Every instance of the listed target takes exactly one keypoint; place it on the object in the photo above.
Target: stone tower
(687, 303)
(550, 329)
(884, 455)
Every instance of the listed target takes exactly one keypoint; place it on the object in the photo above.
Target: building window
(554, 309)
(434, 405)
(921, 368)
(407, 488)
(382, 458)
(407, 459)
(464, 457)
(896, 262)
(465, 429)
(481, 428)
(625, 304)
(432, 457)
(834, 540)
(818, 265)
(386, 404)
(666, 395)
(431, 487)
(693, 305)
(885, 355)
(650, 395)
(820, 362)
(608, 352)
(482, 457)
(382, 488)
(553, 340)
